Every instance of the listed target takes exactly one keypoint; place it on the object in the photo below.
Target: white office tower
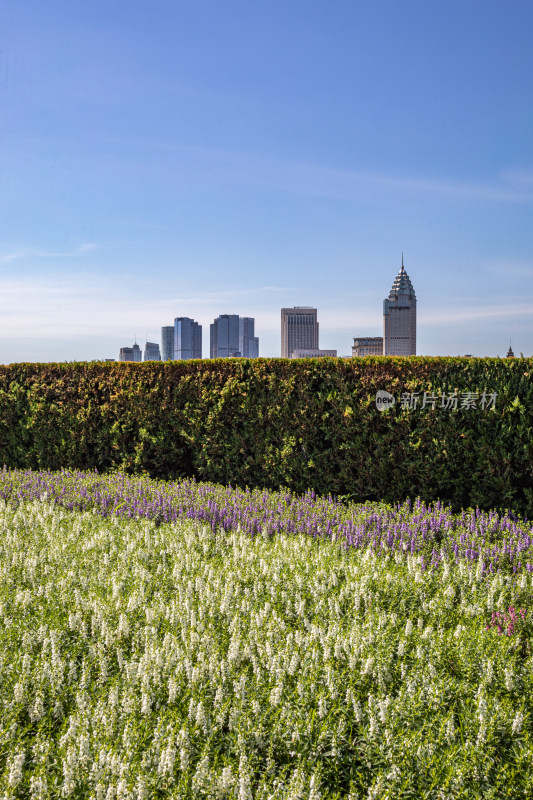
(399, 317)
(187, 338)
(248, 343)
(151, 352)
(167, 343)
(299, 330)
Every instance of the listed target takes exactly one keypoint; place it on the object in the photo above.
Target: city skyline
(187, 158)
(233, 336)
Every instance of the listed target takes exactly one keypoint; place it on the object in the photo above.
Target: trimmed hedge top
(460, 429)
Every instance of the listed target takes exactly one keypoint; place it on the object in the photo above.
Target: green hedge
(309, 423)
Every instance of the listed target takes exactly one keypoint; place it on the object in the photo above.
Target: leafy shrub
(300, 424)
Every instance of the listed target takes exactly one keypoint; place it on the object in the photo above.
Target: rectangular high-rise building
(299, 330)
(167, 343)
(187, 338)
(130, 353)
(151, 352)
(248, 343)
(399, 318)
(224, 337)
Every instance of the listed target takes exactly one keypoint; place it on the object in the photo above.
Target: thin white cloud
(519, 177)
(90, 305)
(439, 316)
(86, 304)
(357, 319)
(293, 176)
(222, 296)
(511, 268)
(30, 253)
(15, 255)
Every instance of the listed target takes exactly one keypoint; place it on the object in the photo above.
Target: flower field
(493, 542)
(194, 641)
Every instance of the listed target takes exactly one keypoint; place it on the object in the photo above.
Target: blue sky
(169, 158)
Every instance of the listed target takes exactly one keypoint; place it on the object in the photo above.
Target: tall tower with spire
(399, 317)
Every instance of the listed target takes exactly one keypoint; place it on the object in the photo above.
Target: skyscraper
(167, 343)
(399, 317)
(187, 338)
(299, 330)
(130, 353)
(248, 343)
(224, 336)
(151, 352)
(126, 354)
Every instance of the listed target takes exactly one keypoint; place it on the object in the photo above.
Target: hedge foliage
(309, 423)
